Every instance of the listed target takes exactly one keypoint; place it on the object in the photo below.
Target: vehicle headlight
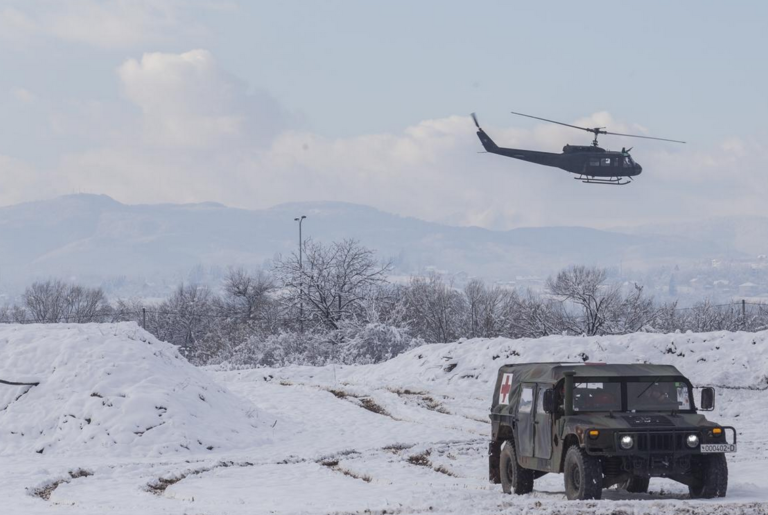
(627, 442)
(692, 441)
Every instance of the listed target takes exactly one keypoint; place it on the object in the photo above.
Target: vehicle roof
(554, 372)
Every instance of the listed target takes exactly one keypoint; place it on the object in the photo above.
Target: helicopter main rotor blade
(644, 137)
(559, 123)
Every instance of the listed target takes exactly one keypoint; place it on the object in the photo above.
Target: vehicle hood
(639, 421)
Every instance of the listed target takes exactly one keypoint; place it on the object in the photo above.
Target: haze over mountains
(93, 238)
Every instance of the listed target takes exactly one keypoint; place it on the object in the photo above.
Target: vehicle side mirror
(707, 399)
(549, 401)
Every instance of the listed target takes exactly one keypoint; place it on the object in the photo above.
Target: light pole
(301, 278)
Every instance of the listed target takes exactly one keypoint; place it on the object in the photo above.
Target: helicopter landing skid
(611, 181)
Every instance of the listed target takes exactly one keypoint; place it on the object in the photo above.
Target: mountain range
(94, 238)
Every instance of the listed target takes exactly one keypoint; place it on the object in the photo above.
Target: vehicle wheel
(583, 475)
(712, 477)
(636, 485)
(514, 478)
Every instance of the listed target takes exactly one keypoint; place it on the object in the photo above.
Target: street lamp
(301, 278)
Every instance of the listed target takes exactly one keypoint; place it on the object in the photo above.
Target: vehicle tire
(636, 485)
(712, 476)
(514, 478)
(583, 475)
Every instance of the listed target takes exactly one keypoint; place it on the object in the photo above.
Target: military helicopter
(594, 165)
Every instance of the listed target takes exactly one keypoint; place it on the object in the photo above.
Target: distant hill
(748, 235)
(93, 236)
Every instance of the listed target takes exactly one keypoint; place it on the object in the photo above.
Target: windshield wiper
(649, 386)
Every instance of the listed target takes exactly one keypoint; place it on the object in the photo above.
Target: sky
(254, 104)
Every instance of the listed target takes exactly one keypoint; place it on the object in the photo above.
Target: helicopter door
(593, 166)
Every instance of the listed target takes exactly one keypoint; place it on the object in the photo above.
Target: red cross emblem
(506, 387)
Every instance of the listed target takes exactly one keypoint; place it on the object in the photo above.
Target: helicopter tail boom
(486, 140)
(532, 156)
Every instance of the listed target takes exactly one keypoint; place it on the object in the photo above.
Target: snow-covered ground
(406, 436)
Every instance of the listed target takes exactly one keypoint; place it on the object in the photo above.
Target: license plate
(718, 447)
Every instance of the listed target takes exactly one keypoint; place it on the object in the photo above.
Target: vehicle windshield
(656, 395)
(597, 396)
(649, 394)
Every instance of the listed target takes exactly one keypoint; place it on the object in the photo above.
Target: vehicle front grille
(660, 441)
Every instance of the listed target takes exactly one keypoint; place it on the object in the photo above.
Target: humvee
(603, 425)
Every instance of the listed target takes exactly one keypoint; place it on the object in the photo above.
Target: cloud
(186, 100)
(15, 25)
(108, 24)
(24, 95)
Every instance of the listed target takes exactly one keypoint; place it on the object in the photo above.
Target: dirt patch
(421, 460)
(159, 485)
(444, 470)
(364, 402)
(395, 448)
(46, 490)
(431, 404)
(406, 391)
(340, 394)
(333, 464)
(423, 399)
(370, 405)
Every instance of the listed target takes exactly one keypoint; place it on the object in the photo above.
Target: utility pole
(301, 278)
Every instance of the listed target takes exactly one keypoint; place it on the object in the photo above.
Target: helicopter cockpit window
(606, 161)
(627, 162)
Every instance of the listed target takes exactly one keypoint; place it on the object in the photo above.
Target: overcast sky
(256, 103)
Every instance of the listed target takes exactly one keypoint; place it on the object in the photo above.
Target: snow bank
(722, 358)
(114, 388)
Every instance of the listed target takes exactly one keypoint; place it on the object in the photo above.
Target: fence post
(744, 314)
(144, 318)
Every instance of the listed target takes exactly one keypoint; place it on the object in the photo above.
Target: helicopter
(592, 164)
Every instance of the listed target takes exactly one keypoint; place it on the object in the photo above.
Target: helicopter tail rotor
(474, 118)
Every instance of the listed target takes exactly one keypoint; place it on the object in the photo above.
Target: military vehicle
(603, 425)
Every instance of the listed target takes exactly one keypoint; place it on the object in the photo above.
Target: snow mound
(724, 359)
(114, 388)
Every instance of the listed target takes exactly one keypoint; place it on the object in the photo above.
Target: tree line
(337, 303)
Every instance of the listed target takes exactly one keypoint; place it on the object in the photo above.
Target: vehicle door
(525, 425)
(542, 427)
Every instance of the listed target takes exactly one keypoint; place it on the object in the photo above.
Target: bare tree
(55, 301)
(488, 309)
(631, 312)
(84, 305)
(247, 295)
(435, 309)
(333, 281)
(583, 286)
(185, 317)
(532, 316)
(45, 301)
